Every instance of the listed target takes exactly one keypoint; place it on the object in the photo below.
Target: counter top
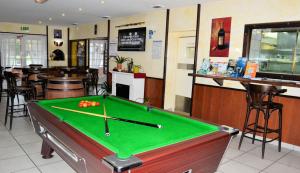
(275, 82)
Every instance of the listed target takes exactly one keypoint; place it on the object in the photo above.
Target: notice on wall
(157, 49)
(113, 49)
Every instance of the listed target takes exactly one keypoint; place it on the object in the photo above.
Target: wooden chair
(260, 99)
(12, 91)
(92, 80)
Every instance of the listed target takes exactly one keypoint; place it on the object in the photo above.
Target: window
(277, 50)
(21, 50)
(97, 53)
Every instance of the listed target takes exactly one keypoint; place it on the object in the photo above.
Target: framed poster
(132, 39)
(57, 33)
(220, 37)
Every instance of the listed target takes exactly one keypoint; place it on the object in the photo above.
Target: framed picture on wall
(57, 33)
(220, 37)
(133, 39)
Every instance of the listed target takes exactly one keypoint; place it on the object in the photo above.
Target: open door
(78, 56)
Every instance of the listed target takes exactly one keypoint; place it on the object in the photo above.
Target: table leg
(46, 150)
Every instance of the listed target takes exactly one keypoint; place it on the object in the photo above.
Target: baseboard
(283, 144)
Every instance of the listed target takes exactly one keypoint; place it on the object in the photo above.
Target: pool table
(181, 144)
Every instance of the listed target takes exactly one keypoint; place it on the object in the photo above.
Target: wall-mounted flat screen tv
(133, 39)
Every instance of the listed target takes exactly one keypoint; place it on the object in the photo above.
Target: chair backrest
(257, 94)
(11, 82)
(93, 73)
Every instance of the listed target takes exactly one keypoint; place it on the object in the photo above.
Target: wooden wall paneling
(165, 55)
(291, 120)
(228, 106)
(109, 79)
(154, 91)
(233, 108)
(47, 42)
(210, 103)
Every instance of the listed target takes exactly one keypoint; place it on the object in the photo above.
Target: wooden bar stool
(260, 99)
(12, 91)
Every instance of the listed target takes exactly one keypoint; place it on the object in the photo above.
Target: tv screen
(132, 39)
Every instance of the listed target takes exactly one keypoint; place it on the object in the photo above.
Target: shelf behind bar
(275, 82)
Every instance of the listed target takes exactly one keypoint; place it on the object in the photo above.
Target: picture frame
(133, 39)
(57, 33)
(220, 37)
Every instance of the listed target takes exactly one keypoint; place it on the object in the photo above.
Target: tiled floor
(20, 153)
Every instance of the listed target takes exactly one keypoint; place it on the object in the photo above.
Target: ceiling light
(102, 2)
(79, 9)
(62, 14)
(158, 6)
(40, 1)
(105, 17)
(75, 24)
(50, 18)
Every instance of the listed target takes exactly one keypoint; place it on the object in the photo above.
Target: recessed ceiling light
(40, 22)
(105, 17)
(79, 9)
(63, 14)
(40, 1)
(158, 6)
(102, 2)
(50, 18)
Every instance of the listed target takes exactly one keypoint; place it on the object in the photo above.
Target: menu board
(132, 39)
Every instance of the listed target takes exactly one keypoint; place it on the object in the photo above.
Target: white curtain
(18, 50)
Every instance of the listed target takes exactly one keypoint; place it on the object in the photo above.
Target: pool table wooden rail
(202, 154)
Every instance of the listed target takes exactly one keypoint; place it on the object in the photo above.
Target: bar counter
(223, 105)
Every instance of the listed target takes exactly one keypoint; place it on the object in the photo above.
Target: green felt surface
(127, 139)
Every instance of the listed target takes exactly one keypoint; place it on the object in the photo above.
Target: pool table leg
(46, 150)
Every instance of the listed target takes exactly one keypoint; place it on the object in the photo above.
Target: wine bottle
(221, 37)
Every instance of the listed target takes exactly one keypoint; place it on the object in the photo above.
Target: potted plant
(136, 68)
(120, 60)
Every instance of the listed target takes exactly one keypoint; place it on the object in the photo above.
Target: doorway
(180, 59)
(98, 57)
(78, 58)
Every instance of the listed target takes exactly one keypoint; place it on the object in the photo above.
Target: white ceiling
(26, 11)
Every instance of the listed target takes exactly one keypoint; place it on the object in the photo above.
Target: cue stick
(113, 118)
(105, 121)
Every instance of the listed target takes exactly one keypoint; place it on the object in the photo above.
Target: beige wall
(16, 28)
(52, 47)
(41, 29)
(153, 20)
(84, 31)
(182, 23)
(242, 12)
